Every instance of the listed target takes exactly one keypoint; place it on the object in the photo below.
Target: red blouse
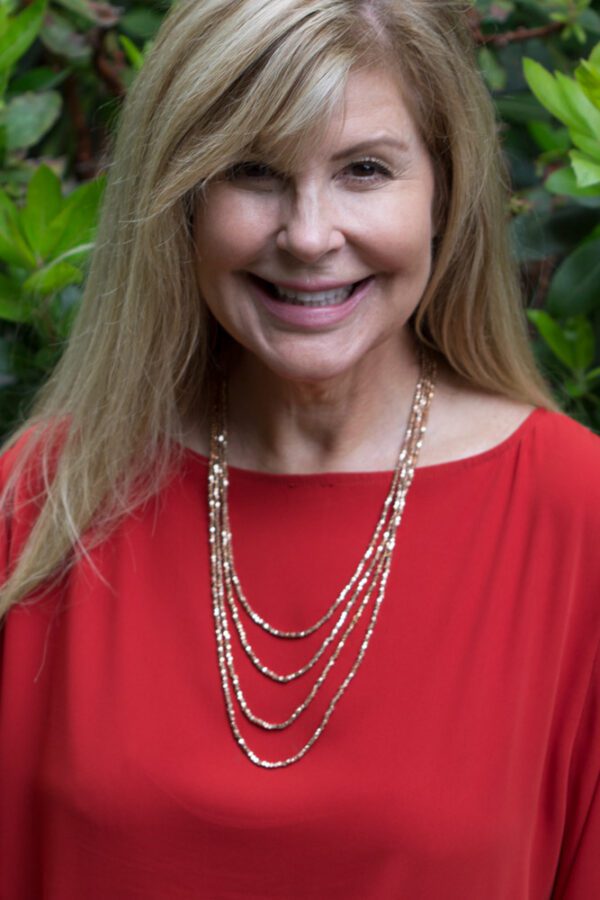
(462, 762)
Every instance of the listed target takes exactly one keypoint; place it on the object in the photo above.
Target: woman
(251, 652)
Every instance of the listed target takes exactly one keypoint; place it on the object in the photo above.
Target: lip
(311, 286)
(304, 317)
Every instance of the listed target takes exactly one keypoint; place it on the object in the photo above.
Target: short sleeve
(5, 535)
(5, 526)
(17, 512)
(578, 876)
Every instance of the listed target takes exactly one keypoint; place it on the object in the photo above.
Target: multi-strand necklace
(368, 581)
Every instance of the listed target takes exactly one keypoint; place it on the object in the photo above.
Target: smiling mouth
(314, 299)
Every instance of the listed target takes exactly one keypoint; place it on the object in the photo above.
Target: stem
(106, 71)
(84, 150)
(501, 39)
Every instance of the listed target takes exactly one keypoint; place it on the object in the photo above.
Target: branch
(502, 39)
(537, 277)
(84, 150)
(519, 34)
(106, 71)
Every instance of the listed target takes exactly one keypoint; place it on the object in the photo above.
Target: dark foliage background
(65, 66)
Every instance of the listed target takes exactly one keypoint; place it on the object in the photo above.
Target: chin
(319, 362)
(307, 371)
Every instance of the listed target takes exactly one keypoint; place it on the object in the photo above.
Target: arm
(578, 875)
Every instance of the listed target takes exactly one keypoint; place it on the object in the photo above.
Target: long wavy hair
(225, 76)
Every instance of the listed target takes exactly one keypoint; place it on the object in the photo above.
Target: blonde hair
(225, 76)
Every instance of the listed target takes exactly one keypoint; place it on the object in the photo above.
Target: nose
(310, 227)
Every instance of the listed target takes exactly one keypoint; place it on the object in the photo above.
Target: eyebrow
(369, 145)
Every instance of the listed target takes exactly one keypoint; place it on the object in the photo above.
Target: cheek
(228, 236)
(232, 229)
(402, 246)
(399, 231)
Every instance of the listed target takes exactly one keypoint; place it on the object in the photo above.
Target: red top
(461, 763)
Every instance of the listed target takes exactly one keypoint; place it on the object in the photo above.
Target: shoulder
(27, 463)
(10, 453)
(558, 458)
(32, 450)
(467, 421)
(21, 460)
(562, 442)
(564, 460)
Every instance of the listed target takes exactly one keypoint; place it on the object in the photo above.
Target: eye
(251, 171)
(368, 170)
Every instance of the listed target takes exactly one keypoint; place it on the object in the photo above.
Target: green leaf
(563, 181)
(81, 7)
(20, 33)
(549, 139)
(576, 388)
(141, 23)
(13, 246)
(59, 36)
(29, 117)
(553, 337)
(582, 109)
(575, 287)
(589, 145)
(589, 20)
(493, 73)
(44, 203)
(135, 56)
(53, 278)
(99, 13)
(587, 171)
(75, 224)
(588, 76)
(12, 309)
(520, 108)
(44, 191)
(40, 79)
(538, 235)
(593, 374)
(578, 330)
(63, 308)
(547, 90)
(566, 100)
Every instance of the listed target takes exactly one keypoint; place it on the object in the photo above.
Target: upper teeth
(315, 298)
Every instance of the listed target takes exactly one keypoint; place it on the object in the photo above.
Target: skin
(334, 397)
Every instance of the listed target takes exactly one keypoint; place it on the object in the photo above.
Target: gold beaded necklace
(370, 577)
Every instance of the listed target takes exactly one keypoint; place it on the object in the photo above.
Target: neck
(352, 422)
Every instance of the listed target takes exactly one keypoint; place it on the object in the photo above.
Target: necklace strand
(370, 576)
(229, 565)
(229, 568)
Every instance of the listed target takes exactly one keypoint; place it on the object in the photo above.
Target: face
(317, 270)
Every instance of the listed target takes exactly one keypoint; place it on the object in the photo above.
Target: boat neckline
(433, 469)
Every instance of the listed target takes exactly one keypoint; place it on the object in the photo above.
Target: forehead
(371, 109)
(372, 96)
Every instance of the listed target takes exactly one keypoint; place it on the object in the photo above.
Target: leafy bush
(66, 64)
(569, 323)
(64, 67)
